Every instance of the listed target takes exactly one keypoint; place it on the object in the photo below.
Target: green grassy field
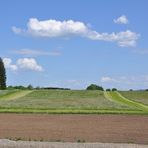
(60, 99)
(68, 101)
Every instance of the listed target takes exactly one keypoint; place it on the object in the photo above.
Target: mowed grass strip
(15, 94)
(5, 93)
(117, 97)
(72, 111)
(138, 96)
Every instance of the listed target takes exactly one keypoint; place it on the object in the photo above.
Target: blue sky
(73, 43)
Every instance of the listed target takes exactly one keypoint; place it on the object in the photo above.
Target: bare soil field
(75, 128)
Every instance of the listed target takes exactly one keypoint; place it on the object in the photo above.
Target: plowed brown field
(72, 128)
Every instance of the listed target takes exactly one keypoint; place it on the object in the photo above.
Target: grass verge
(71, 111)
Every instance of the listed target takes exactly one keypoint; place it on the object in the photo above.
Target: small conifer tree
(2, 75)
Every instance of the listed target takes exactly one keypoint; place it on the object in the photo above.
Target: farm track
(4, 143)
(73, 128)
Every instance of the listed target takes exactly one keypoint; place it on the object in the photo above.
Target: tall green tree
(2, 75)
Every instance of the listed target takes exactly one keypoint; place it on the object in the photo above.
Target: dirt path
(73, 128)
(4, 143)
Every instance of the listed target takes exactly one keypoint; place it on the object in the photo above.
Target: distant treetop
(114, 89)
(94, 87)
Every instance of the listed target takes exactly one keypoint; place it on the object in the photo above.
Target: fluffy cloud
(32, 52)
(29, 64)
(123, 39)
(121, 20)
(8, 64)
(53, 28)
(23, 63)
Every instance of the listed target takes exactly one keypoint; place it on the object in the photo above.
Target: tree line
(97, 87)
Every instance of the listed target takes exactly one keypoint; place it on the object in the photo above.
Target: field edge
(72, 111)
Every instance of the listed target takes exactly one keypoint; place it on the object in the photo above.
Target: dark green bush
(94, 87)
(108, 89)
(114, 89)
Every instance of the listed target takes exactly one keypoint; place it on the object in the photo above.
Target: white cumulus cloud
(121, 20)
(8, 64)
(22, 63)
(29, 64)
(53, 28)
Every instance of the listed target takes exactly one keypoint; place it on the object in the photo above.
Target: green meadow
(73, 102)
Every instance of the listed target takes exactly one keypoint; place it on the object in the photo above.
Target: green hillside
(69, 101)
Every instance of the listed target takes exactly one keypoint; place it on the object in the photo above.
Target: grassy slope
(6, 93)
(13, 94)
(139, 96)
(65, 101)
(62, 99)
(117, 97)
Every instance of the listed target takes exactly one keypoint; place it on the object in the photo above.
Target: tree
(94, 87)
(38, 87)
(114, 89)
(108, 89)
(30, 86)
(2, 75)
